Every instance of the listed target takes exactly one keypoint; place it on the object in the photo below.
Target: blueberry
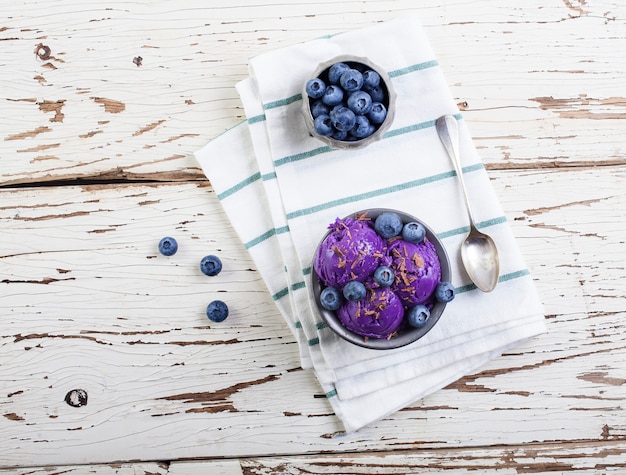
(445, 292)
(384, 276)
(217, 311)
(315, 88)
(351, 80)
(360, 102)
(388, 224)
(362, 127)
(354, 291)
(319, 108)
(377, 93)
(211, 265)
(331, 298)
(168, 246)
(371, 79)
(340, 135)
(333, 95)
(342, 118)
(323, 125)
(377, 113)
(418, 316)
(335, 72)
(413, 232)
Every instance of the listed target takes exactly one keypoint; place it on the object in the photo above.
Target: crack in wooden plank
(111, 106)
(28, 134)
(545, 209)
(219, 400)
(148, 127)
(42, 336)
(53, 106)
(601, 377)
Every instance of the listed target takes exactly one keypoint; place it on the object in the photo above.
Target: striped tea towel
(281, 188)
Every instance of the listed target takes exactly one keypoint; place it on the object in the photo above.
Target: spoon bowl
(478, 251)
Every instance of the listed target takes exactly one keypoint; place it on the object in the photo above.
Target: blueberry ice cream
(352, 250)
(378, 315)
(417, 271)
(379, 276)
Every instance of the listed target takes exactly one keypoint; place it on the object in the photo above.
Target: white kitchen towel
(281, 188)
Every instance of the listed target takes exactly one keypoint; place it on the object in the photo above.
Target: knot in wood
(76, 398)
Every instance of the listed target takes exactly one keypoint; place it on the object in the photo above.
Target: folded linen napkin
(281, 188)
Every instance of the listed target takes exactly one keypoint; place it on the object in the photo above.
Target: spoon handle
(448, 131)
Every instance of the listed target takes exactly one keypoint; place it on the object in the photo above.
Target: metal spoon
(478, 251)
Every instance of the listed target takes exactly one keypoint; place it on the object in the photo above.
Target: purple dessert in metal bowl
(352, 251)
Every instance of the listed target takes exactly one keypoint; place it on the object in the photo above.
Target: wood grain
(102, 108)
(83, 316)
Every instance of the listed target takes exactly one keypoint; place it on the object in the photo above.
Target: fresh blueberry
(418, 316)
(384, 276)
(168, 246)
(323, 125)
(315, 88)
(335, 72)
(354, 291)
(342, 118)
(371, 79)
(445, 292)
(211, 265)
(351, 80)
(377, 93)
(340, 135)
(413, 232)
(362, 127)
(319, 108)
(377, 113)
(333, 95)
(388, 224)
(331, 298)
(360, 102)
(217, 311)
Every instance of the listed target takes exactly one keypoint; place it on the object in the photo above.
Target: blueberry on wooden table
(211, 265)
(168, 246)
(217, 311)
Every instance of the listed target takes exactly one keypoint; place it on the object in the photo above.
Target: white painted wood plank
(88, 303)
(585, 459)
(542, 83)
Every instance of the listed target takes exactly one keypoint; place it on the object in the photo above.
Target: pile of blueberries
(210, 265)
(348, 101)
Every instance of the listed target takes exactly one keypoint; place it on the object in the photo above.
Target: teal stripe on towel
(266, 235)
(380, 191)
(242, 184)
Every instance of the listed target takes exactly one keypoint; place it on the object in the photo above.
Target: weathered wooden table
(102, 107)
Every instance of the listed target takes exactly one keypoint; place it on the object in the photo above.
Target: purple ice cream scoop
(417, 271)
(378, 315)
(352, 250)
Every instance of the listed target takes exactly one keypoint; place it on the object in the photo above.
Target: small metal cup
(361, 64)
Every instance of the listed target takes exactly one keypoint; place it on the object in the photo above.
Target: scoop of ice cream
(378, 315)
(417, 271)
(351, 251)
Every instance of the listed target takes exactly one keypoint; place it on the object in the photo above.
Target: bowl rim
(382, 128)
(403, 338)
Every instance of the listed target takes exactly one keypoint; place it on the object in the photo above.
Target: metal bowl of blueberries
(349, 102)
(381, 278)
